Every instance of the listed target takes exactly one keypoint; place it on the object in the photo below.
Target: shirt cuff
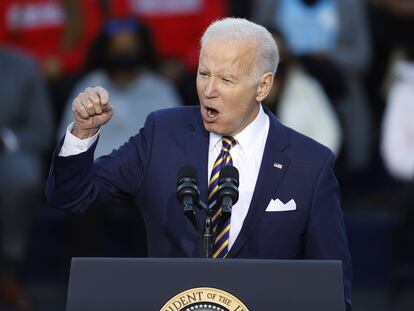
(73, 145)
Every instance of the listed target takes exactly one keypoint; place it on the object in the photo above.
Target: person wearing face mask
(122, 61)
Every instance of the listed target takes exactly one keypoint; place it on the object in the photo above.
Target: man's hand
(91, 109)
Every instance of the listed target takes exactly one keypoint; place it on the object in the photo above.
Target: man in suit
(289, 205)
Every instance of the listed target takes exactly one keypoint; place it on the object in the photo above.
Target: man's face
(227, 86)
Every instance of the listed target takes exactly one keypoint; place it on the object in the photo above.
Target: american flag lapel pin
(278, 165)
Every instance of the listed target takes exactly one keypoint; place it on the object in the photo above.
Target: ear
(264, 86)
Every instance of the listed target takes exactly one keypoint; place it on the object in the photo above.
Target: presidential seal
(204, 299)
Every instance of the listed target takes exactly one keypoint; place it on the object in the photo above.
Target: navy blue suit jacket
(145, 169)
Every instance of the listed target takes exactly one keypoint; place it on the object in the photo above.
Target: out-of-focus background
(346, 79)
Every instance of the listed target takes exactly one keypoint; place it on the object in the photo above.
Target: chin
(213, 128)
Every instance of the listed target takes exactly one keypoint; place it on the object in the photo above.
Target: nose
(210, 90)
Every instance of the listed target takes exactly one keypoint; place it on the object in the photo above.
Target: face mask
(123, 62)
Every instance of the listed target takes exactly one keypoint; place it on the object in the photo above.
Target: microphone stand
(207, 238)
(207, 235)
(228, 191)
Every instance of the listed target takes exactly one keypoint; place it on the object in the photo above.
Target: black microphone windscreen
(187, 171)
(229, 171)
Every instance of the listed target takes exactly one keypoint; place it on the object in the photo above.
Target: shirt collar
(247, 138)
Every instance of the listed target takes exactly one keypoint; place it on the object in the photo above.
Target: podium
(187, 284)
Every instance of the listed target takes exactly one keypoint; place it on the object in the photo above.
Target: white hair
(230, 28)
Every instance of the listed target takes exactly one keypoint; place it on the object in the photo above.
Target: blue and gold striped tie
(221, 240)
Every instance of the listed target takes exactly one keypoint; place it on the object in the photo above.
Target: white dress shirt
(73, 145)
(246, 155)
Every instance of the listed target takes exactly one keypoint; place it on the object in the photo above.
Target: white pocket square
(279, 206)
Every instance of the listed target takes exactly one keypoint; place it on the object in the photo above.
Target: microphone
(228, 191)
(187, 192)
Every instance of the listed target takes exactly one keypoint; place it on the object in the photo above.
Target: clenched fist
(91, 109)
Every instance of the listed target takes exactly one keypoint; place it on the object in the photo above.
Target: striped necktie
(221, 239)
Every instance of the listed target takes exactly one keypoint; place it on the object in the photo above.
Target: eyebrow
(226, 74)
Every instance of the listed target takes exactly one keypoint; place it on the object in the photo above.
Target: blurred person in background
(299, 101)
(122, 60)
(397, 143)
(392, 29)
(176, 27)
(330, 39)
(397, 150)
(25, 133)
(241, 8)
(57, 33)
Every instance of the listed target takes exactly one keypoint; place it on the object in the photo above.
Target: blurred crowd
(346, 79)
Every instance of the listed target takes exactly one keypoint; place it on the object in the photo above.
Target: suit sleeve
(75, 183)
(326, 236)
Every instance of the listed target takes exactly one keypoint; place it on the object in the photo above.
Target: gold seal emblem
(204, 299)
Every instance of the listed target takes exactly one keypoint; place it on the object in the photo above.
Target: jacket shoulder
(175, 117)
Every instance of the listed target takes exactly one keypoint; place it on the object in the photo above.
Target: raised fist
(91, 109)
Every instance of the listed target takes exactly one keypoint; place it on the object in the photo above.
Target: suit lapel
(268, 180)
(196, 149)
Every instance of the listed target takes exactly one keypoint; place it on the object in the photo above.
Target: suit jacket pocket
(282, 215)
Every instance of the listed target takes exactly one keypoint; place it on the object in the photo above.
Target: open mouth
(210, 114)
